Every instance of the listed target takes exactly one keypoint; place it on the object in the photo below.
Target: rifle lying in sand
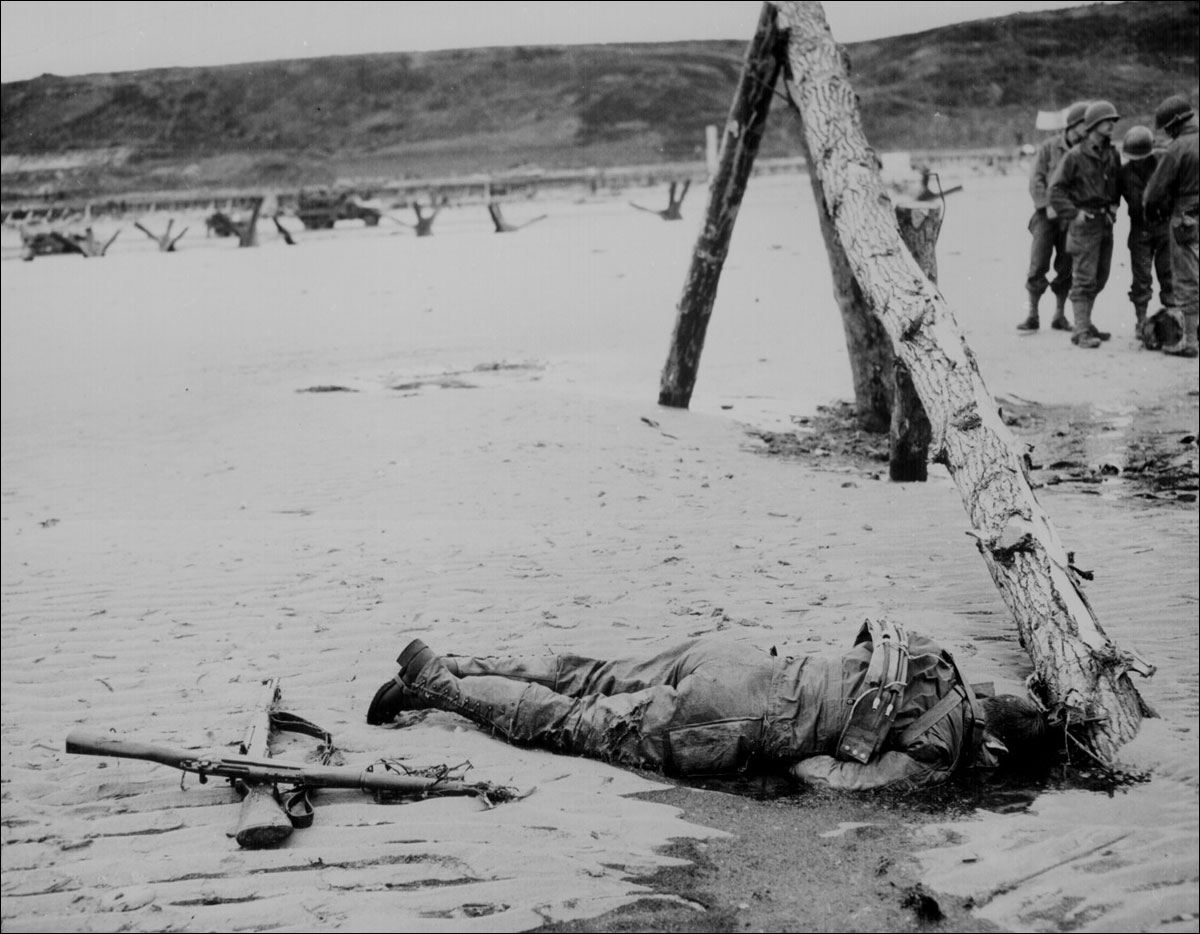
(267, 818)
(388, 780)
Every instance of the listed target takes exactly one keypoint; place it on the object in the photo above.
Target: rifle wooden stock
(255, 770)
(262, 821)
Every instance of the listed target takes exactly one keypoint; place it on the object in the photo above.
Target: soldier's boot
(425, 682)
(1092, 329)
(1060, 322)
(1189, 344)
(1083, 337)
(1031, 322)
(1139, 330)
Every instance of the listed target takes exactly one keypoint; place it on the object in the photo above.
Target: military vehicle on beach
(321, 208)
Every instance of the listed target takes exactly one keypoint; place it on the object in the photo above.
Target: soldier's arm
(1156, 199)
(1060, 182)
(1038, 176)
(892, 768)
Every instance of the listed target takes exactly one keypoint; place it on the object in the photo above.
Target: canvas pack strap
(875, 709)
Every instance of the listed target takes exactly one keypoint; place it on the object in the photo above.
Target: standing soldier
(1049, 235)
(1173, 187)
(1149, 231)
(1083, 192)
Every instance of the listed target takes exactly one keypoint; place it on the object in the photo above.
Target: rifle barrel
(249, 769)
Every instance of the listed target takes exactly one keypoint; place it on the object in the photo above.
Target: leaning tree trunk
(910, 432)
(1078, 669)
(743, 133)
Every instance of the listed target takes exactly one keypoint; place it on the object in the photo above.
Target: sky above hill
(71, 38)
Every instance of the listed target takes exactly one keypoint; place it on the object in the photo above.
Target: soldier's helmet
(1171, 111)
(1075, 114)
(1097, 112)
(1138, 143)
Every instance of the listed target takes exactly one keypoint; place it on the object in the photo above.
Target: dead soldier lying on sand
(892, 711)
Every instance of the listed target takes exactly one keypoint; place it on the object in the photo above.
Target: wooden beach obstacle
(1080, 676)
(55, 241)
(166, 243)
(502, 226)
(424, 225)
(283, 231)
(221, 224)
(672, 212)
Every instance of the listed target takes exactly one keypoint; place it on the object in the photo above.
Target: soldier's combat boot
(1082, 337)
(427, 682)
(1031, 314)
(1189, 344)
(1139, 328)
(1060, 322)
(394, 696)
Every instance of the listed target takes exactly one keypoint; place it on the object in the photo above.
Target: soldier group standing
(1077, 183)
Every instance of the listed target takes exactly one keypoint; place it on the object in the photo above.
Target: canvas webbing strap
(296, 803)
(876, 708)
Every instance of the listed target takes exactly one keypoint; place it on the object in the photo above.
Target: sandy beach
(224, 465)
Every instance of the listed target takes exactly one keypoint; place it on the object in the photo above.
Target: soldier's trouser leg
(1141, 261)
(577, 675)
(626, 728)
(1085, 255)
(1162, 265)
(1061, 286)
(711, 722)
(1185, 275)
(632, 729)
(1090, 243)
(1045, 234)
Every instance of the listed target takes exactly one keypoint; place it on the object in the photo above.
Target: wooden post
(166, 243)
(672, 212)
(910, 432)
(222, 225)
(884, 397)
(424, 225)
(248, 232)
(283, 231)
(1079, 672)
(742, 135)
(867, 343)
(503, 226)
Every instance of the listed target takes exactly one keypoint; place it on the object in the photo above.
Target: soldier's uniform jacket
(1133, 177)
(1086, 180)
(1045, 161)
(817, 693)
(1174, 189)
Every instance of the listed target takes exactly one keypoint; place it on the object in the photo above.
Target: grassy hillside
(420, 114)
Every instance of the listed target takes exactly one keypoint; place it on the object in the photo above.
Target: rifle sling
(290, 723)
(298, 807)
(296, 803)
